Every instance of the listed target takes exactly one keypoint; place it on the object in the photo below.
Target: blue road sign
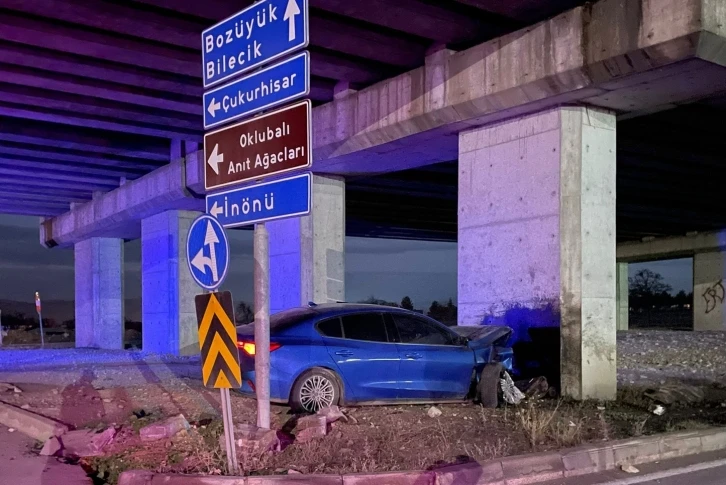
(253, 37)
(279, 199)
(272, 86)
(207, 252)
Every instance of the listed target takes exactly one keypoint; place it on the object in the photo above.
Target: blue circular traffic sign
(207, 252)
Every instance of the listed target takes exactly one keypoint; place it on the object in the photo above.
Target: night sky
(386, 269)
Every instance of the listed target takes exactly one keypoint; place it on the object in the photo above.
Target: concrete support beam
(623, 296)
(176, 186)
(167, 302)
(709, 271)
(307, 254)
(537, 236)
(99, 293)
(626, 52)
(672, 247)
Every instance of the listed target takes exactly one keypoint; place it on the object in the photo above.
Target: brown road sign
(275, 143)
(218, 340)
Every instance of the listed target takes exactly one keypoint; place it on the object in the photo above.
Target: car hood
(484, 335)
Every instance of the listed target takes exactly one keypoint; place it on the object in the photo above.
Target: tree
(446, 314)
(244, 314)
(375, 301)
(647, 289)
(406, 303)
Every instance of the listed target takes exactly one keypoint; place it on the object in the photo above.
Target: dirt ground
(139, 391)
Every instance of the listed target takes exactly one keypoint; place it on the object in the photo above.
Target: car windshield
(282, 320)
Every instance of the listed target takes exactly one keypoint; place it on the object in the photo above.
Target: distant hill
(62, 310)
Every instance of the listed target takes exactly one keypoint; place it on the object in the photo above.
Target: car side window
(331, 328)
(414, 330)
(364, 326)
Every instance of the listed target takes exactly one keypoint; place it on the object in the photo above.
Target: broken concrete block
(434, 412)
(84, 442)
(311, 427)
(165, 429)
(51, 447)
(332, 414)
(251, 440)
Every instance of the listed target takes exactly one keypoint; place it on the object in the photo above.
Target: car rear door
(367, 361)
(434, 364)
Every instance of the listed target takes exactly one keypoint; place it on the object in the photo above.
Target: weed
(535, 422)
(567, 431)
(639, 427)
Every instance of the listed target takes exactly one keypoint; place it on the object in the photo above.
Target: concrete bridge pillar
(99, 296)
(169, 320)
(623, 296)
(307, 254)
(709, 271)
(537, 236)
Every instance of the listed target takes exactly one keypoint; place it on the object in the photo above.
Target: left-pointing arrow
(215, 158)
(213, 107)
(216, 210)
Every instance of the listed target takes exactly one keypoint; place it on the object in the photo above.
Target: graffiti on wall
(714, 295)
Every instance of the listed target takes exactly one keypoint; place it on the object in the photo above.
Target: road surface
(704, 469)
(19, 466)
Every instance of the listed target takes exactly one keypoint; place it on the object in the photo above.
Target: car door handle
(344, 353)
(413, 355)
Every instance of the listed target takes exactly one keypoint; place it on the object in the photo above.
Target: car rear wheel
(488, 388)
(315, 389)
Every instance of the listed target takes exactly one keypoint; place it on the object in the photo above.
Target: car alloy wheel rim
(316, 393)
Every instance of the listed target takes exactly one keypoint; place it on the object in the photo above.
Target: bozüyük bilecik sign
(272, 144)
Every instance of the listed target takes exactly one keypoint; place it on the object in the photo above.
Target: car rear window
(288, 318)
(365, 326)
(331, 328)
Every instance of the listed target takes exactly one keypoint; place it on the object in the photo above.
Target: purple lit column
(99, 293)
(169, 320)
(537, 236)
(307, 253)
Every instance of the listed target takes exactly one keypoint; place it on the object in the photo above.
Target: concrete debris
(84, 442)
(511, 394)
(11, 430)
(6, 387)
(51, 447)
(25, 406)
(252, 441)
(629, 469)
(534, 389)
(165, 429)
(658, 410)
(332, 414)
(434, 412)
(675, 393)
(309, 428)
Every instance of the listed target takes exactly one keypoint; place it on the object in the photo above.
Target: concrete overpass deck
(538, 138)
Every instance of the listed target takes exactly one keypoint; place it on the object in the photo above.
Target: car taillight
(249, 347)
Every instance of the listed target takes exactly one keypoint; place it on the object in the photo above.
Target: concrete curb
(514, 470)
(34, 425)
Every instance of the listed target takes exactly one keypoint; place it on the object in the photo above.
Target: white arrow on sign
(290, 12)
(215, 158)
(216, 210)
(200, 261)
(214, 106)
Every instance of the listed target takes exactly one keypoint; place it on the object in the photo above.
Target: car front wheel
(315, 389)
(488, 387)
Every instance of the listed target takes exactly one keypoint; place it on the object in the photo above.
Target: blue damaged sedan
(351, 354)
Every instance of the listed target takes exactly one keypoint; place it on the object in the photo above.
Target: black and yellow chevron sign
(218, 340)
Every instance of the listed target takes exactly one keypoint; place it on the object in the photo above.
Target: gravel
(656, 356)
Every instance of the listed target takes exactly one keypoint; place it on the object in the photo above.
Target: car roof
(327, 309)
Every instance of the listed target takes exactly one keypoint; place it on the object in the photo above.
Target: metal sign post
(208, 260)
(40, 318)
(262, 324)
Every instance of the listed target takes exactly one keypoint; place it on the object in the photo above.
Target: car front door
(367, 361)
(434, 363)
